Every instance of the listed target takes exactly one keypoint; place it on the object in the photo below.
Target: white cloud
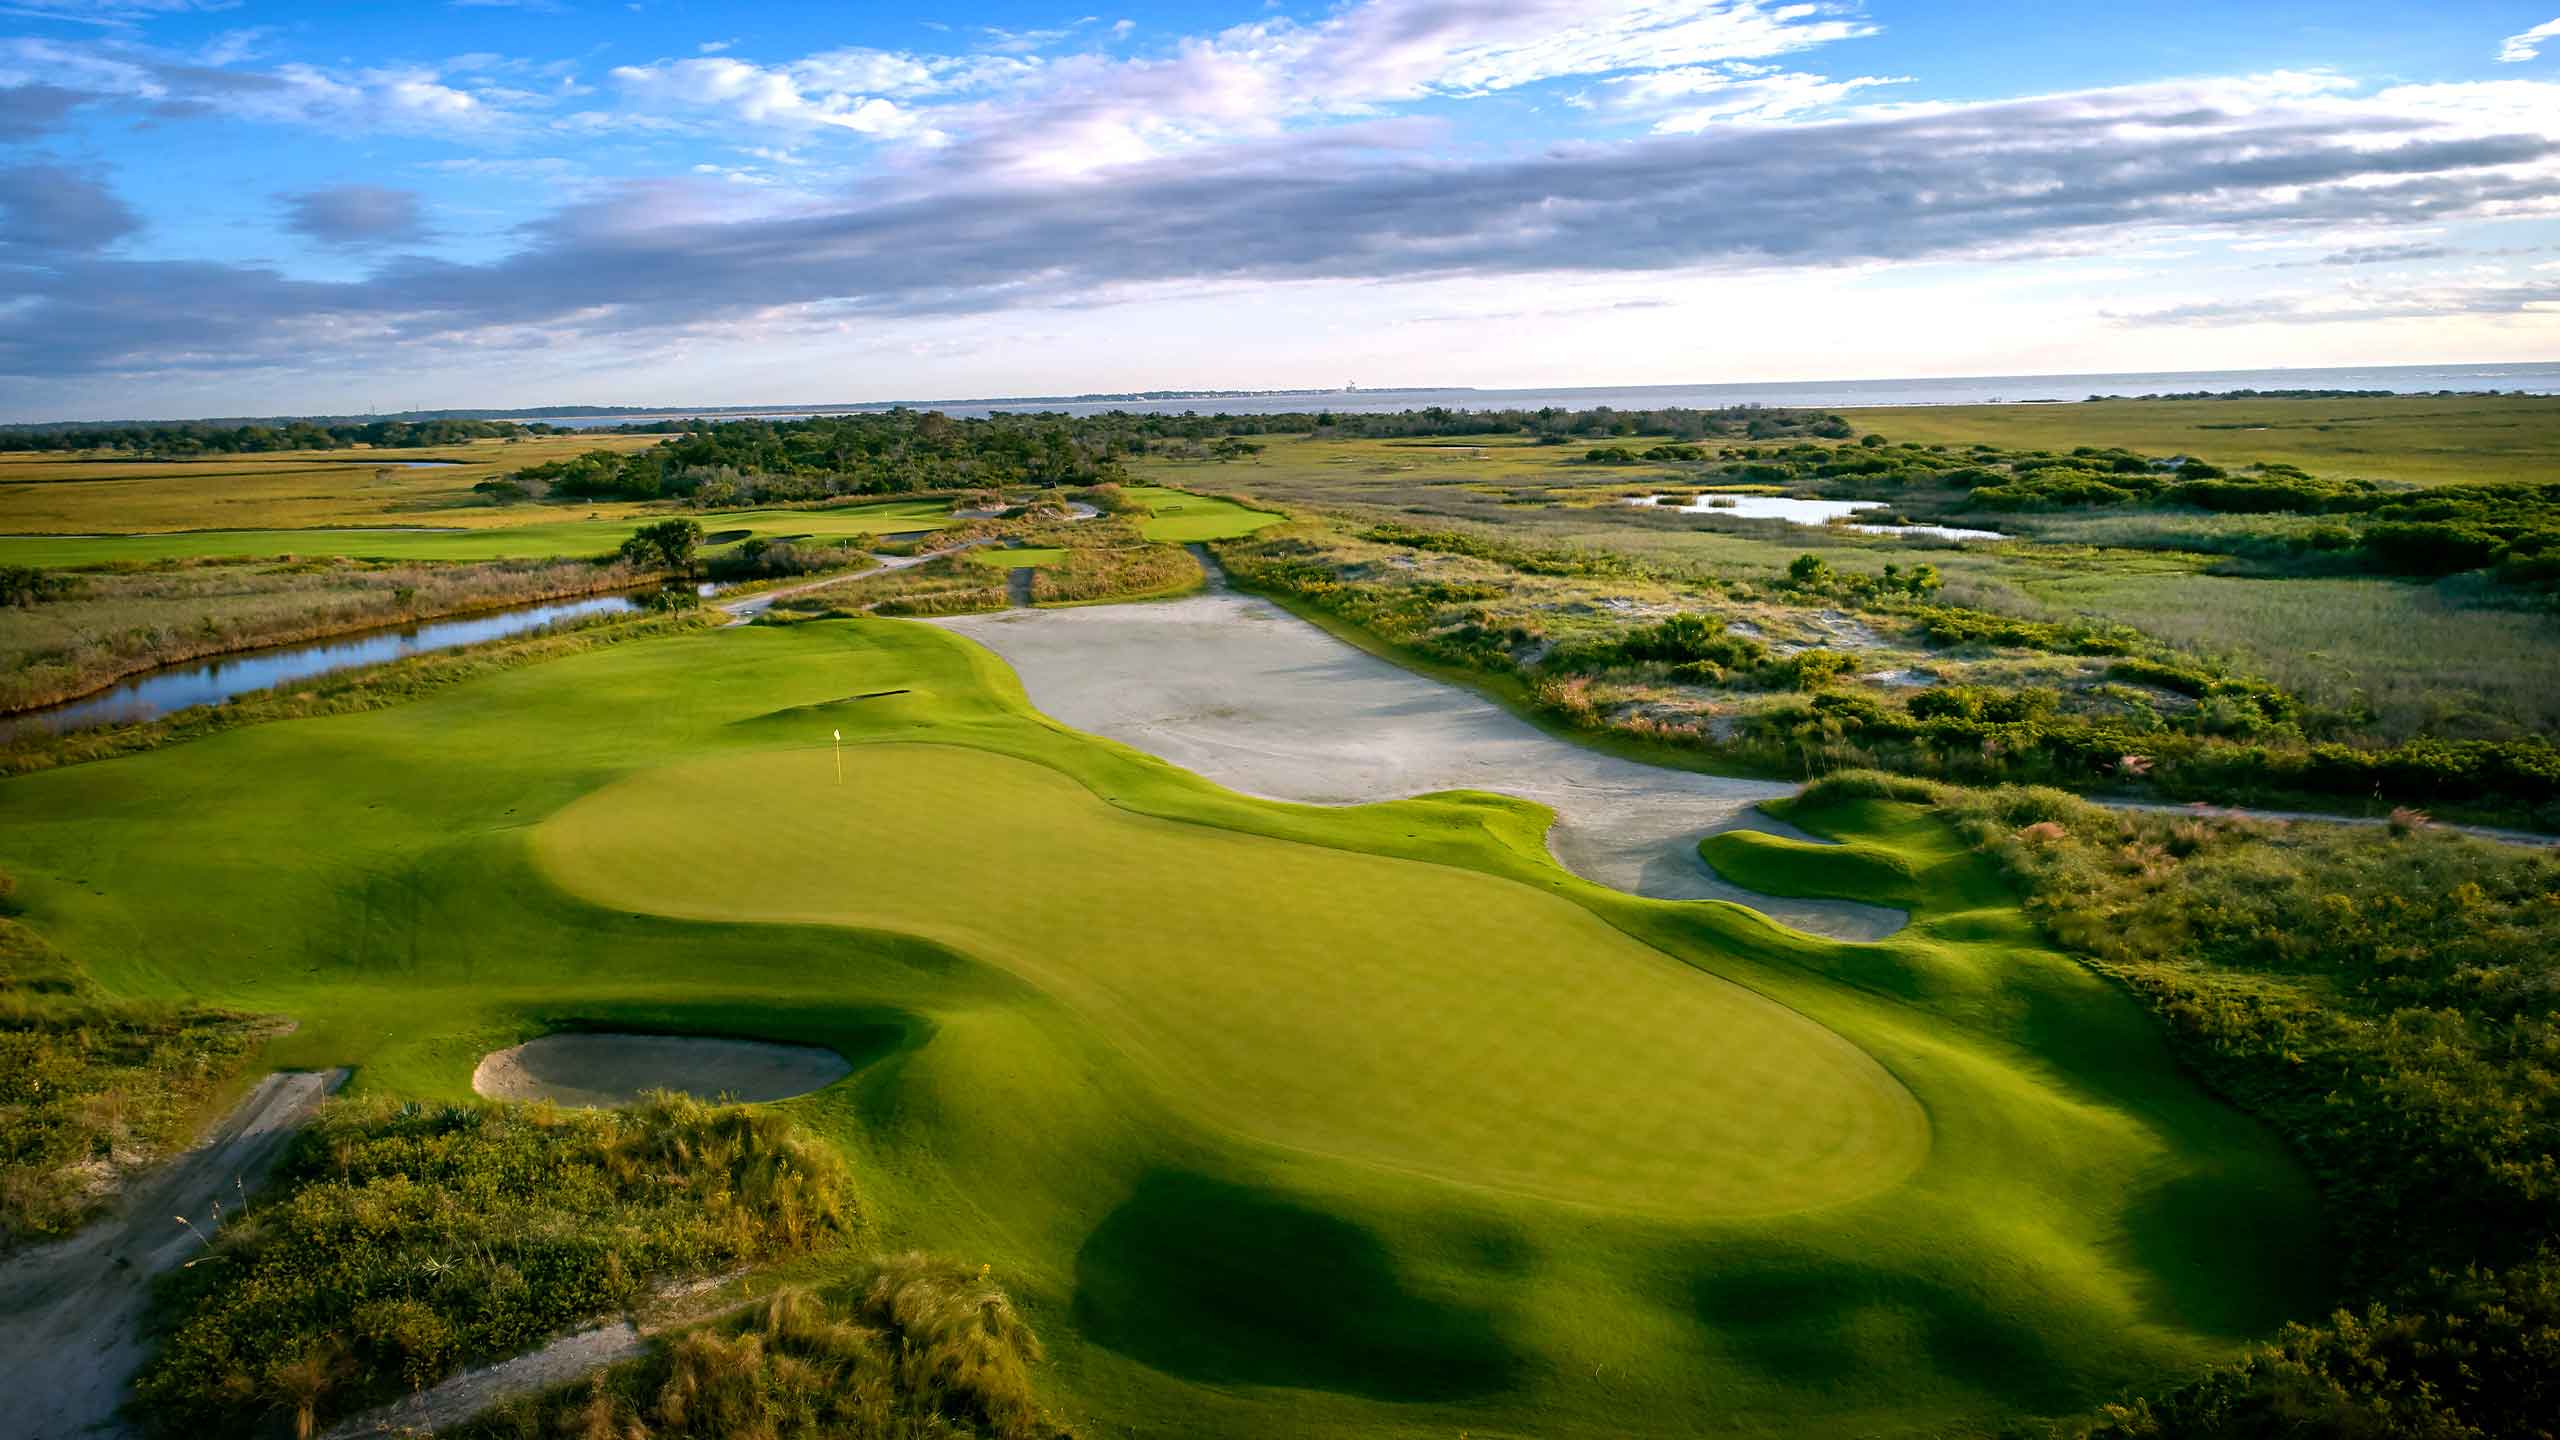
(761, 96)
(2528, 45)
(1692, 97)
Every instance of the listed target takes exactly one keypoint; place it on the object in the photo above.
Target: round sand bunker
(610, 1070)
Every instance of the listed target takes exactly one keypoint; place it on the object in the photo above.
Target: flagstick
(837, 745)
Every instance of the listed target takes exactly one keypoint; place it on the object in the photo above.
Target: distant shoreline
(2533, 378)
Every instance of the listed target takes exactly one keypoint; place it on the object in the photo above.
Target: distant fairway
(1015, 559)
(1281, 1120)
(1285, 991)
(540, 540)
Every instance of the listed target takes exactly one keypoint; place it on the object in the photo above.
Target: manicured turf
(1347, 1032)
(1181, 518)
(1276, 1130)
(1017, 559)
(544, 539)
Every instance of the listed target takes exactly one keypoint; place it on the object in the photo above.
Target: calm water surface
(215, 681)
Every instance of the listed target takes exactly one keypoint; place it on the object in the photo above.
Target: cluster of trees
(885, 453)
(196, 437)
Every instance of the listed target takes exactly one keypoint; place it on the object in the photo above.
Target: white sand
(1240, 691)
(612, 1070)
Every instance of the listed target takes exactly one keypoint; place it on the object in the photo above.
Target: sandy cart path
(71, 1312)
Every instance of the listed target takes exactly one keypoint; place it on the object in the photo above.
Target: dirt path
(71, 1312)
(475, 1391)
(742, 612)
(2209, 810)
(1017, 587)
(460, 1398)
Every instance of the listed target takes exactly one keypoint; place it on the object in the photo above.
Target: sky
(259, 207)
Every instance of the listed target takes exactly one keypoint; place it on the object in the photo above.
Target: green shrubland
(2385, 998)
(406, 1240)
(89, 1087)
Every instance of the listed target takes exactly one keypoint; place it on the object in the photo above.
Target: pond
(212, 682)
(1805, 512)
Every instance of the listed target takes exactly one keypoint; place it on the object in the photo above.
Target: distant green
(1028, 555)
(1182, 518)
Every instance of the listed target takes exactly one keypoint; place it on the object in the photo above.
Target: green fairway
(1282, 1120)
(1003, 559)
(544, 540)
(1182, 518)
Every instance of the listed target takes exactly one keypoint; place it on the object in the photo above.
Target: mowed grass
(1003, 559)
(2422, 439)
(1283, 990)
(1031, 1093)
(538, 540)
(1181, 518)
(63, 495)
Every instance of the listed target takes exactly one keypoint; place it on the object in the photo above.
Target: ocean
(2537, 379)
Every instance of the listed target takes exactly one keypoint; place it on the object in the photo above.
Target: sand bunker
(1239, 690)
(609, 1070)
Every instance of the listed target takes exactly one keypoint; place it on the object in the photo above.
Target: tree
(669, 544)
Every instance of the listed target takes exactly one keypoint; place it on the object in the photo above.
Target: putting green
(1412, 1016)
(1181, 517)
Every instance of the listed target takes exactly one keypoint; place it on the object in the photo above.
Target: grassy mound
(411, 1240)
(922, 1350)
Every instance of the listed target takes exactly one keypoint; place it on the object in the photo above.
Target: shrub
(411, 1239)
(925, 1350)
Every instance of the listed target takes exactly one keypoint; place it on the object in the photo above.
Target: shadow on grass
(1226, 1284)
(1809, 1325)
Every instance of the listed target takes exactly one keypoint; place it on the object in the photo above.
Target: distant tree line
(892, 452)
(200, 438)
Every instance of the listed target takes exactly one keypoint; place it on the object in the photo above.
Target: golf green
(1281, 1120)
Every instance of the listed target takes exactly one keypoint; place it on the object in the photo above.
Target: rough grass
(2384, 998)
(2083, 1220)
(91, 1088)
(405, 1241)
(123, 623)
(86, 494)
(2424, 439)
(918, 1350)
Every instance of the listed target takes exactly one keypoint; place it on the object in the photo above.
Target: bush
(924, 1351)
(414, 1239)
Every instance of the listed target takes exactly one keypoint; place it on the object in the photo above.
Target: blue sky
(261, 207)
